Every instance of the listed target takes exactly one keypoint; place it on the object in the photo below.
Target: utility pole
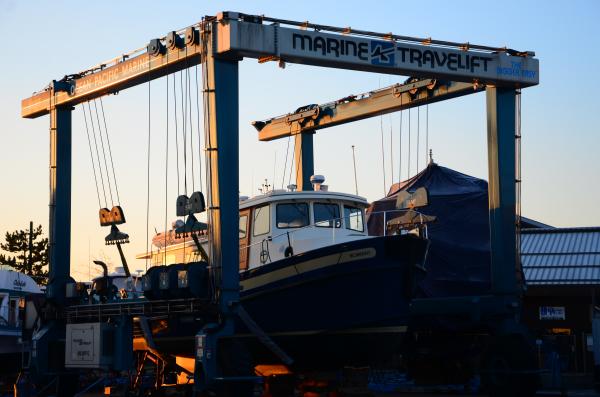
(30, 260)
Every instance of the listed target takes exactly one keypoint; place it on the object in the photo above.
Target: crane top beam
(344, 48)
(240, 35)
(160, 58)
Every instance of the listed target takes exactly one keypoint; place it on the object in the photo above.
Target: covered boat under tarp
(458, 261)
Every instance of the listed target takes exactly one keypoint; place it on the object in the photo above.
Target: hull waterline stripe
(308, 266)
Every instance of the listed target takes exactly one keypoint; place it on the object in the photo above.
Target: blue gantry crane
(219, 43)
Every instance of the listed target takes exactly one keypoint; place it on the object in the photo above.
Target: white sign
(375, 55)
(552, 313)
(82, 345)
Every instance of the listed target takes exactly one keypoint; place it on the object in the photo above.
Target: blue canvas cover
(458, 263)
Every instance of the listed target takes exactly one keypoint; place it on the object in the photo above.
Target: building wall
(568, 337)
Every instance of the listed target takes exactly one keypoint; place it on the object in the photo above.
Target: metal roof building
(561, 256)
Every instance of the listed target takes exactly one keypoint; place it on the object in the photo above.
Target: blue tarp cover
(458, 263)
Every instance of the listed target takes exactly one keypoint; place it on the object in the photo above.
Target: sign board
(83, 345)
(552, 313)
(375, 55)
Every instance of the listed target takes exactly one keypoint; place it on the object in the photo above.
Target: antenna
(355, 180)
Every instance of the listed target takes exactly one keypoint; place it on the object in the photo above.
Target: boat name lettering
(18, 284)
(358, 254)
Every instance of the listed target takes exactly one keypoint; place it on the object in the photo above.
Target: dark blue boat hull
(345, 304)
(361, 284)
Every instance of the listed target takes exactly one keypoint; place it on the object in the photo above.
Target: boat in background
(14, 288)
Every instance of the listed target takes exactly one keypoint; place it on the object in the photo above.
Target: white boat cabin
(281, 223)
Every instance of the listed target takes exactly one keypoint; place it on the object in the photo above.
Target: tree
(32, 263)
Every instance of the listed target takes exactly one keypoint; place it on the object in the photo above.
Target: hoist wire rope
(166, 169)
(104, 154)
(112, 164)
(291, 161)
(426, 134)
(287, 152)
(97, 154)
(382, 154)
(185, 146)
(292, 164)
(87, 132)
(418, 135)
(274, 168)
(409, 146)
(183, 134)
(198, 125)
(148, 167)
(391, 151)
(176, 131)
(189, 113)
(400, 144)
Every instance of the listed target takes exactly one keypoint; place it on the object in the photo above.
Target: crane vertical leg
(48, 342)
(59, 241)
(305, 160)
(222, 150)
(501, 188)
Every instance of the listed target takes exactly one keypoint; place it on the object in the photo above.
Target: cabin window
(243, 226)
(292, 215)
(262, 220)
(327, 215)
(354, 218)
(13, 312)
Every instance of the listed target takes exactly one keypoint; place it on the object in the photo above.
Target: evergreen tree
(17, 244)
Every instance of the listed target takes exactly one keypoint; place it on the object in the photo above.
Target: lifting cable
(426, 133)
(409, 135)
(184, 136)
(292, 164)
(97, 155)
(189, 111)
(198, 129)
(112, 165)
(400, 144)
(382, 155)
(287, 152)
(418, 135)
(104, 155)
(148, 165)
(176, 131)
(166, 170)
(184, 145)
(91, 155)
(391, 151)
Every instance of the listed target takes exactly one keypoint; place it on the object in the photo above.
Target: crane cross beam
(359, 107)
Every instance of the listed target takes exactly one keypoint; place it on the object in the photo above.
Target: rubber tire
(509, 353)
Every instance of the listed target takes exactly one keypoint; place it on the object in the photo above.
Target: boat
(14, 288)
(310, 273)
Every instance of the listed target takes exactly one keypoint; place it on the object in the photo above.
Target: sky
(47, 40)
